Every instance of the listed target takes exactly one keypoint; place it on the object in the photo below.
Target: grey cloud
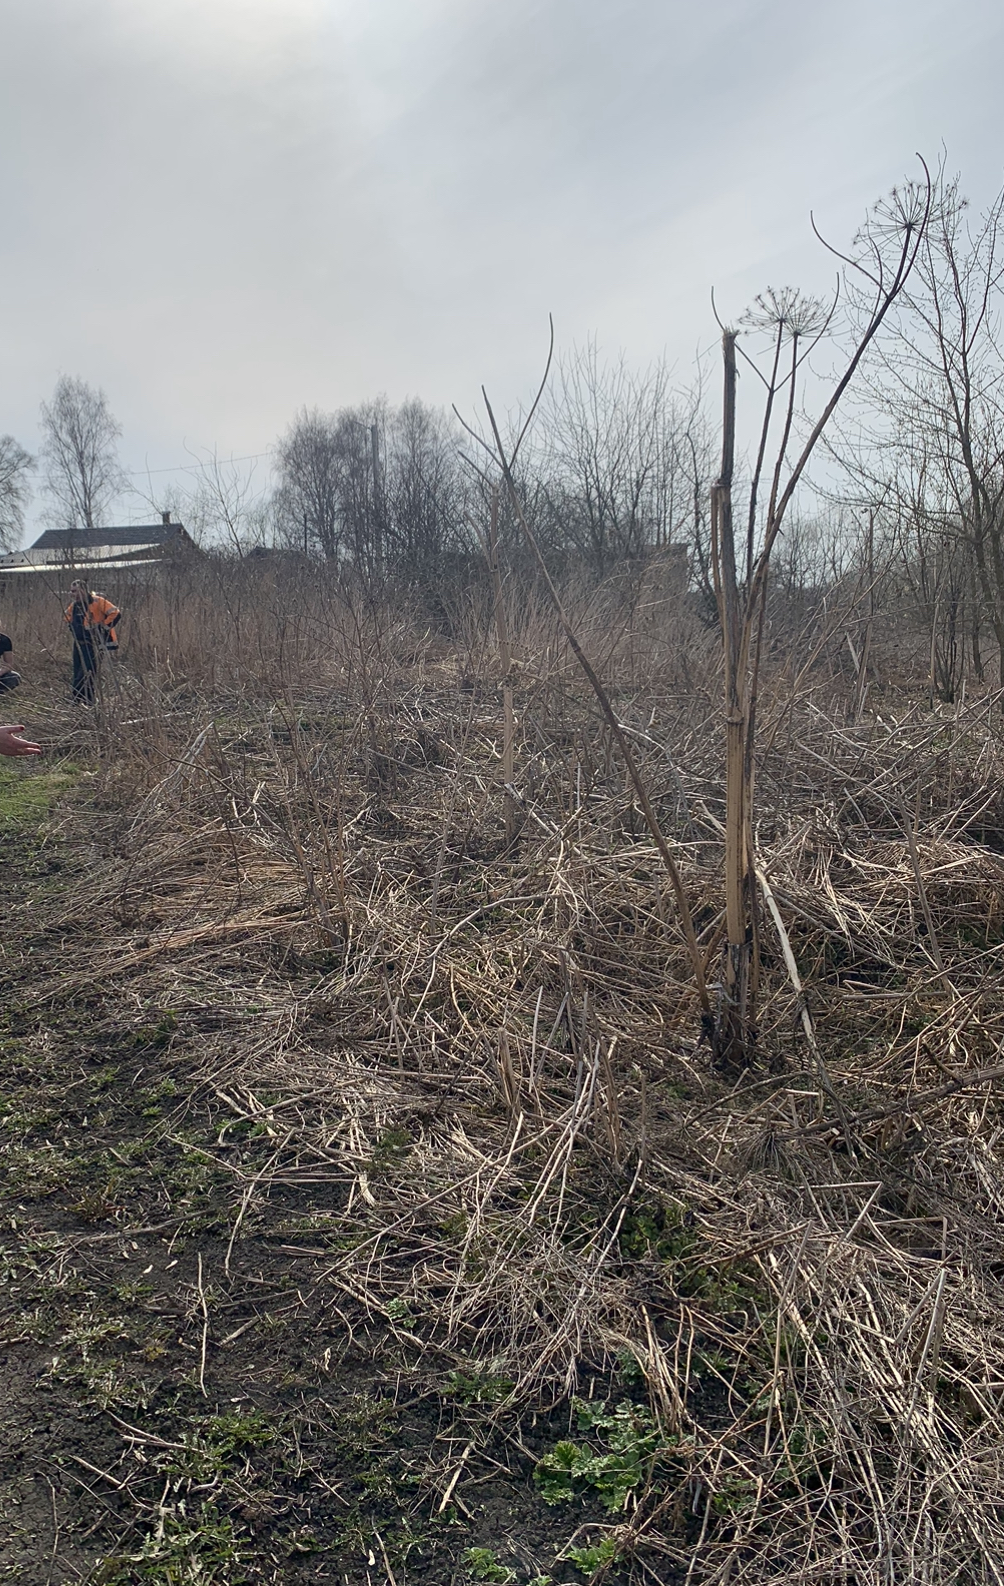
(220, 210)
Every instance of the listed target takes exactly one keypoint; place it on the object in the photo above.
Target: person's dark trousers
(9, 680)
(85, 664)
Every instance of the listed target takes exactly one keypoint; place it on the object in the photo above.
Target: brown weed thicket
(374, 919)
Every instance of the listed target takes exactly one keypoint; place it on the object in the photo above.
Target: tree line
(619, 467)
(619, 470)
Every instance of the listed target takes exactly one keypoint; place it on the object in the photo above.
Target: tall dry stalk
(733, 1015)
(510, 813)
(796, 324)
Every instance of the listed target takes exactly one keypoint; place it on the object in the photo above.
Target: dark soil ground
(186, 1404)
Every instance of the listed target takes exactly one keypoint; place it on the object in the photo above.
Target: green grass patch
(28, 794)
(478, 1386)
(198, 1546)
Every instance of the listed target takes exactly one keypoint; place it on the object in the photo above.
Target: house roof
(129, 545)
(94, 539)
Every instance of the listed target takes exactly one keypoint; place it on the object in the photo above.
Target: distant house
(60, 551)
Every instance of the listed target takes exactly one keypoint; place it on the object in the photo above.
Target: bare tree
(421, 494)
(308, 499)
(328, 497)
(938, 422)
(618, 454)
(79, 450)
(15, 466)
(227, 507)
(375, 487)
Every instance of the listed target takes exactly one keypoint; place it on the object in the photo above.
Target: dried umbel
(788, 313)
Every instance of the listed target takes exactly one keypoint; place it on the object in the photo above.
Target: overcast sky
(222, 210)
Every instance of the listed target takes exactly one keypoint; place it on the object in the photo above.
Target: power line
(193, 468)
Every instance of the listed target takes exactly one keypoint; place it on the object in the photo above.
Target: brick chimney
(165, 518)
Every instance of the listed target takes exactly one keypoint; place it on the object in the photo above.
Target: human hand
(10, 743)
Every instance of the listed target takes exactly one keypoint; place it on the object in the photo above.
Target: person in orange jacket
(93, 619)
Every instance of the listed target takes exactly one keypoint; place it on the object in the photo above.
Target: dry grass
(497, 1049)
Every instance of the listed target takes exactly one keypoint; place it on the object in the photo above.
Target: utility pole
(377, 500)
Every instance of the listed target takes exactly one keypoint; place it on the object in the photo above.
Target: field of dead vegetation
(373, 1210)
